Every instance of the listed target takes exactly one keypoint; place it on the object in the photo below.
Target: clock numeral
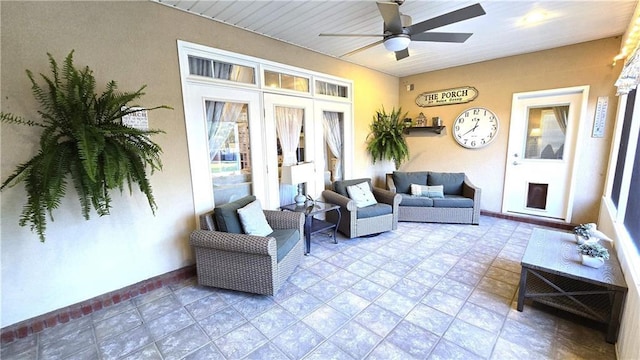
(473, 143)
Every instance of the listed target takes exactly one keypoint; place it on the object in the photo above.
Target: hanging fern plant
(82, 138)
(386, 141)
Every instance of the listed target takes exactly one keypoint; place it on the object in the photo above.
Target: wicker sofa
(459, 204)
(232, 260)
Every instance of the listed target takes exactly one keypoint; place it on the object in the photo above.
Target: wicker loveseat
(232, 260)
(459, 202)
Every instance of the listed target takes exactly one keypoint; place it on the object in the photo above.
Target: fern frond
(14, 119)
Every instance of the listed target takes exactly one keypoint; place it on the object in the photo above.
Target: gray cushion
(452, 182)
(410, 200)
(453, 201)
(374, 210)
(286, 239)
(404, 179)
(341, 186)
(227, 219)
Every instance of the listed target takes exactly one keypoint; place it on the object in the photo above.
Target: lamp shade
(535, 132)
(297, 174)
(397, 42)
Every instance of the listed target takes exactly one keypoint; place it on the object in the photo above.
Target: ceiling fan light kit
(397, 42)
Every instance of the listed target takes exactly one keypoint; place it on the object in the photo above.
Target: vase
(580, 239)
(583, 240)
(594, 262)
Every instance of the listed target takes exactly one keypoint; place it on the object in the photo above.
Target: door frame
(577, 135)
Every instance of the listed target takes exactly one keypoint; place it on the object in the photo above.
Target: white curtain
(562, 114)
(220, 112)
(288, 127)
(198, 66)
(333, 137)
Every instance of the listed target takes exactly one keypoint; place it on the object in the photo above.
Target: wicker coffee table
(313, 225)
(552, 274)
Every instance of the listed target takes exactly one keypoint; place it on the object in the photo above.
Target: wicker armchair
(246, 262)
(356, 222)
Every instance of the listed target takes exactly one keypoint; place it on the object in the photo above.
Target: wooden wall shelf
(416, 129)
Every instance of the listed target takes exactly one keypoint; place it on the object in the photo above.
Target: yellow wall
(496, 81)
(134, 43)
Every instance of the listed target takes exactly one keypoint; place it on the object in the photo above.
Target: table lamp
(297, 175)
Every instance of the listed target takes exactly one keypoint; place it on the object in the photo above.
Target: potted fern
(82, 139)
(386, 140)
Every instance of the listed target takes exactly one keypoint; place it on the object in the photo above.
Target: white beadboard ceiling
(496, 34)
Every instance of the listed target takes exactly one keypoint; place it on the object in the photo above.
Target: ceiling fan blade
(446, 19)
(390, 12)
(363, 48)
(353, 35)
(441, 37)
(402, 54)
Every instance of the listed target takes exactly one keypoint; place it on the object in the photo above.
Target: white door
(225, 139)
(277, 108)
(336, 125)
(543, 135)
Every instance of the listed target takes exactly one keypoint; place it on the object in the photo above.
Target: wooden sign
(459, 95)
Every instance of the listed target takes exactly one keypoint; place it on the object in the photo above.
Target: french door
(225, 139)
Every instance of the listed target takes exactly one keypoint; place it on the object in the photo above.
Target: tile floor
(424, 291)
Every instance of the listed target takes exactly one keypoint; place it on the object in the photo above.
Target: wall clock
(475, 127)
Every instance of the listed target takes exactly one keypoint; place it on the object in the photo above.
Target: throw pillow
(340, 186)
(452, 182)
(226, 215)
(361, 194)
(403, 180)
(434, 192)
(253, 220)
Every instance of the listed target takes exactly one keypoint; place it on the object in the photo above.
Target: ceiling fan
(398, 31)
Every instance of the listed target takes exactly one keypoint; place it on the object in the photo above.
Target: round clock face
(475, 127)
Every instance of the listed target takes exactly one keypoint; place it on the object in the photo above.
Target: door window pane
(326, 88)
(229, 150)
(221, 70)
(286, 81)
(291, 149)
(333, 129)
(546, 131)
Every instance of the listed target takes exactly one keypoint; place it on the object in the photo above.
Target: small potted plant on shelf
(593, 254)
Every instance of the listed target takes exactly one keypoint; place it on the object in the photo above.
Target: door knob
(516, 163)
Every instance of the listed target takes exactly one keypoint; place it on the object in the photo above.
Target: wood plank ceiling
(497, 34)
